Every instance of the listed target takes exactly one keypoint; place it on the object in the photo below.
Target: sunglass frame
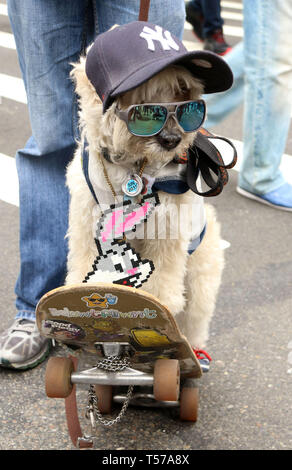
(124, 114)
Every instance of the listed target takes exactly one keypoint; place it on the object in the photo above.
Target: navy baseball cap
(127, 56)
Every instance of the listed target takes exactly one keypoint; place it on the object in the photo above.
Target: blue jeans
(262, 66)
(220, 105)
(48, 35)
(211, 11)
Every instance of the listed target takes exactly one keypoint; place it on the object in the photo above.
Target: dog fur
(187, 284)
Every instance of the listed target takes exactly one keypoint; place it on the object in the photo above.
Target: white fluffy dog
(187, 284)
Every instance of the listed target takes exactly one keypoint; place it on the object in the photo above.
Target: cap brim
(212, 70)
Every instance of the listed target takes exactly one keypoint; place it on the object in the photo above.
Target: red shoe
(216, 43)
(201, 354)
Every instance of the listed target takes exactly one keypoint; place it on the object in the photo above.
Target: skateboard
(133, 340)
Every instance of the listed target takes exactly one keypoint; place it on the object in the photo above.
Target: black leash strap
(205, 159)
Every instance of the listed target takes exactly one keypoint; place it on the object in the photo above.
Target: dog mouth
(158, 151)
(168, 140)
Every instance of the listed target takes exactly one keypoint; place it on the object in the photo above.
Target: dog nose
(168, 140)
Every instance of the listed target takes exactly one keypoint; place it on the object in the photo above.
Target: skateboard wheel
(166, 380)
(104, 395)
(189, 403)
(58, 377)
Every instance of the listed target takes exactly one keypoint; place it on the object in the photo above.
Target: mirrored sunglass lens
(146, 120)
(191, 115)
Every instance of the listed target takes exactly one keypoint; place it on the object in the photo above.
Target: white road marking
(231, 15)
(193, 45)
(9, 188)
(12, 88)
(235, 31)
(224, 244)
(3, 9)
(234, 5)
(7, 40)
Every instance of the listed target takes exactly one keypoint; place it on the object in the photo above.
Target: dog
(186, 283)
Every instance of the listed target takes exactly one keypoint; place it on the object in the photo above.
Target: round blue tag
(133, 185)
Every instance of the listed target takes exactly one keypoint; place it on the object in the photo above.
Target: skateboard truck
(114, 349)
(115, 371)
(101, 375)
(112, 370)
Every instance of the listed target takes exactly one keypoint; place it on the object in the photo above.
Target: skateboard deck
(86, 315)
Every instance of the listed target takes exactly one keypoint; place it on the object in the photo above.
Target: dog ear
(83, 86)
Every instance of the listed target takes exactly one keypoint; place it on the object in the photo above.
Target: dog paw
(198, 339)
(175, 303)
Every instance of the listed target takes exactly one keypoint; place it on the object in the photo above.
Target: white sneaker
(22, 346)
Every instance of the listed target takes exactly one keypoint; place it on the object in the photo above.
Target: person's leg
(211, 12)
(48, 36)
(220, 105)
(194, 16)
(213, 21)
(170, 14)
(197, 4)
(214, 40)
(268, 93)
(207, 22)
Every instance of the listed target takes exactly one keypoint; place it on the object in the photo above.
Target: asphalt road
(245, 399)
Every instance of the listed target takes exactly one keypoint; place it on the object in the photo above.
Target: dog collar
(179, 159)
(202, 157)
(174, 185)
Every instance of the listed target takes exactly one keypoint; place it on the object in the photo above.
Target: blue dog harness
(172, 185)
(202, 157)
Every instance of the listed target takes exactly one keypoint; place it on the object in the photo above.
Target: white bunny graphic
(118, 262)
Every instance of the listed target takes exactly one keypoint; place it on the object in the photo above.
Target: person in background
(262, 68)
(206, 20)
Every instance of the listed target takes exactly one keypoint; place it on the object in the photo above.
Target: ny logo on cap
(152, 35)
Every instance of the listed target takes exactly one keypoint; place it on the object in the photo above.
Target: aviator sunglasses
(146, 120)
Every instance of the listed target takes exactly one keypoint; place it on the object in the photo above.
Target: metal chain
(112, 364)
(144, 163)
(93, 407)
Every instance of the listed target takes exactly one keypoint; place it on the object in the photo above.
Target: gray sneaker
(21, 346)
